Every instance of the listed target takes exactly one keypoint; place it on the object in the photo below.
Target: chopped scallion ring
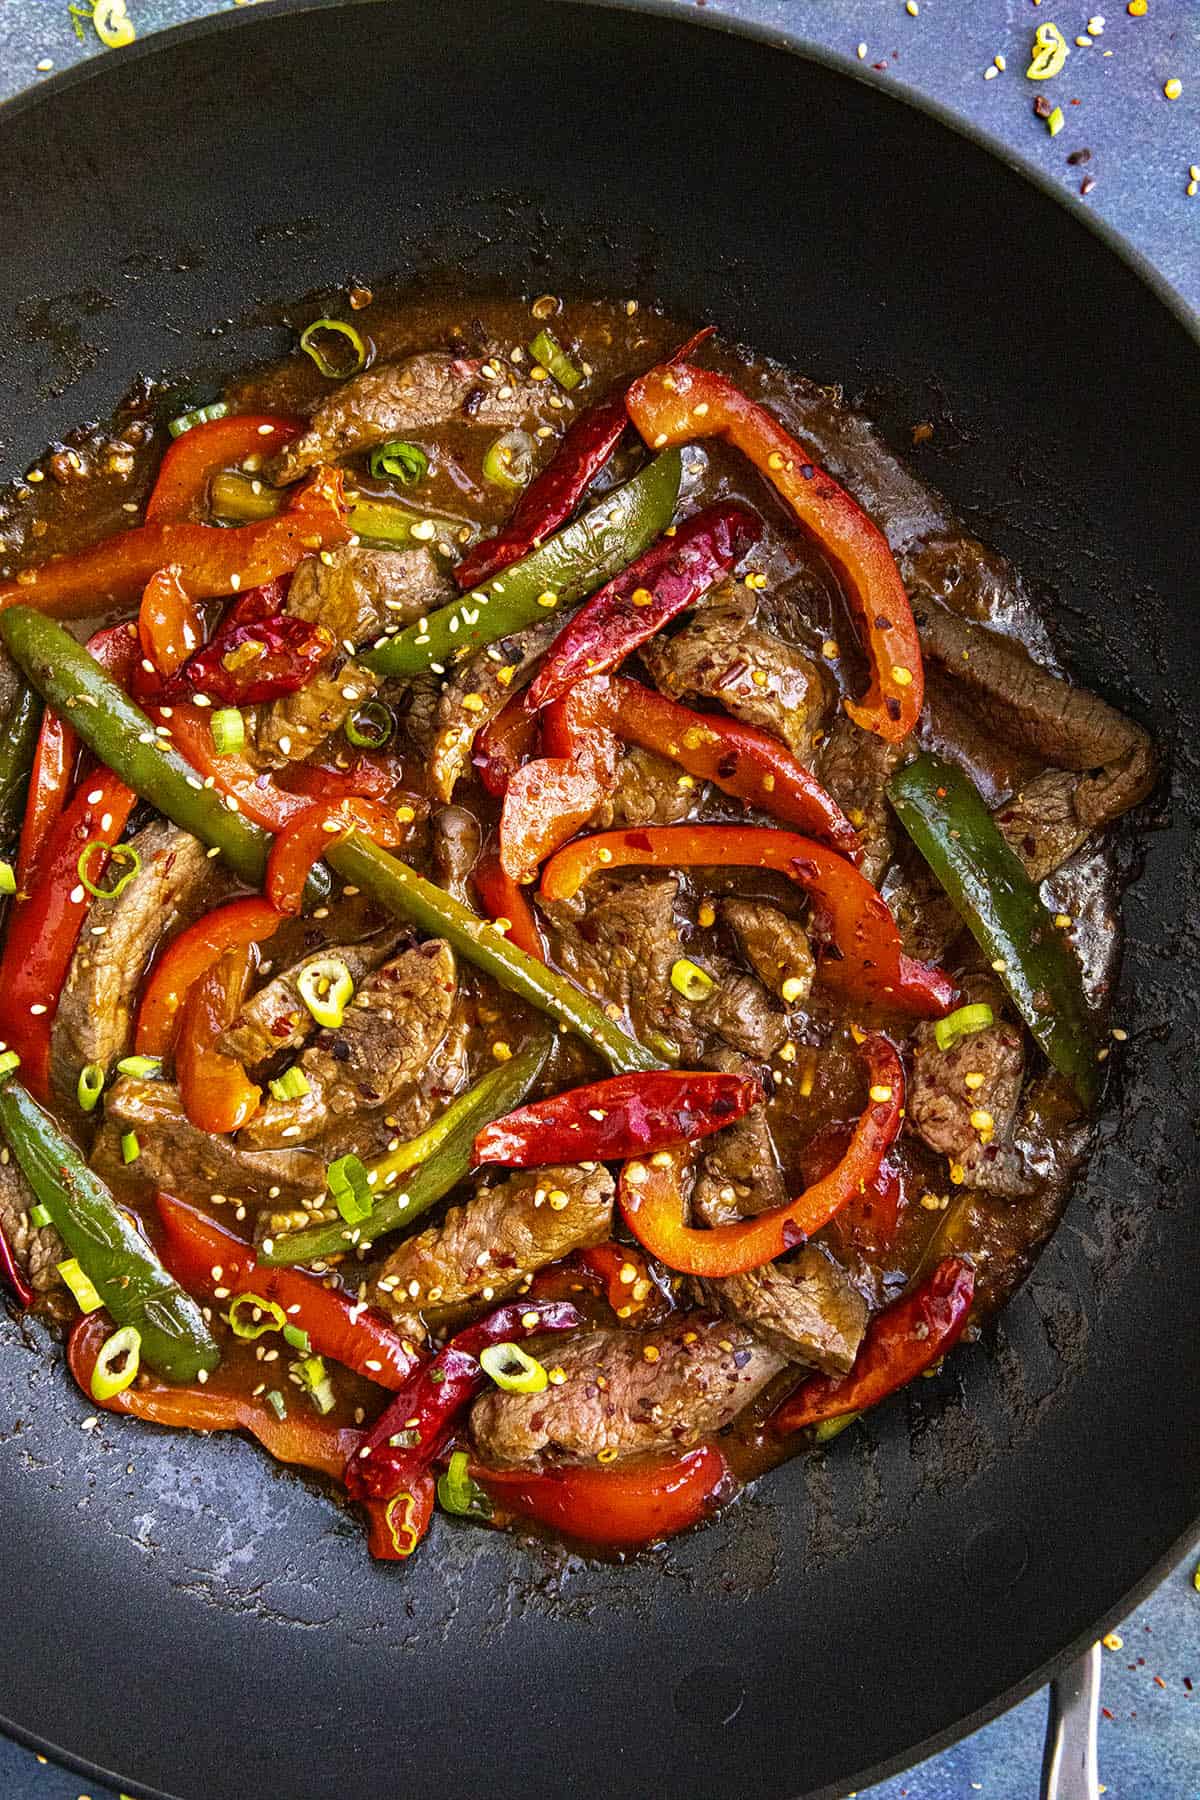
(276, 1402)
(291, 1085)
(513, 1369)
(690, 980)
(407, 463)
(39, 1217)
(142, 1068)
(831, 1428)
(314, 1378)
(370, 726)
(117, 1364)
(8, 878)
(326, 988)
(962, 1023)
(228, 731)
(338, 328)
(86, 1297)
(298, 1339)
(120, 853)
(90, 1086)
(458, 1493)
(509, 461)
(250, 1316)
(130, 1148)
(199, 415)
(350, 1188)
(546, 349)
(9, 1060)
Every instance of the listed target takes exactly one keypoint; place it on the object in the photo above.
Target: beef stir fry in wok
(559, 915)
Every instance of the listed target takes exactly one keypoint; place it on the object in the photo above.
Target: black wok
(177, 1611)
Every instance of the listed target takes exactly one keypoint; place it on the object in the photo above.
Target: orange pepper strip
(503, 899)
(181, 490)
(864, 956)
(216, 1092)
(305, 839)
(190, 956)
(652, 1198)
(677, 403)
(639, 1504)
(169, 624)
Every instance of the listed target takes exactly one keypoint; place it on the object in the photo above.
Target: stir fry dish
(558, 915)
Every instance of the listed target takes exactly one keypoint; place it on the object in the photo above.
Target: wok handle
(1070, 1766)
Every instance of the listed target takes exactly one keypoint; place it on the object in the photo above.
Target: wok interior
(825, 224)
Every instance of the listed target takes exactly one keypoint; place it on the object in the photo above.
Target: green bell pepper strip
(75, 686)
(945, 816)
(444, 1152)
(236, 496)
(115, 1257)
(18, 741)
(579, 558)
(392, 884)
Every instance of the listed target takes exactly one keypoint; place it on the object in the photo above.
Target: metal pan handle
(1070, 1766)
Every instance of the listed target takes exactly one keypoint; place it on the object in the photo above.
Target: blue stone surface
(1141, 146)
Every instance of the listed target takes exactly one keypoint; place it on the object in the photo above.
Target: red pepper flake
(1106, 1713)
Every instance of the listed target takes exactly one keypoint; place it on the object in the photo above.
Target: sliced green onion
(339, 328)
(38, 1216)
(326, 988)
(90, 1086)
(513, 1369)
(9, 1060)
(828, 1429)
(199, 415)
(690, 980)
(408, 463)
(228, 731)
(120, 853)
(276, 1402)
(8, 878)
(130, 1148)
(546, 349)
(458, 1493)
(370, 726)
(117, 1364)
(962, 1023)
(250, 1316)
(298, 1339)
(408, 1439)
(291, 1085)
(350, 1187)
(314, 1378)
(509, 461)
(142, 1068)
(86, 1297)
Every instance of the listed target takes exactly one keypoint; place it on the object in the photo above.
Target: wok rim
(54, 88)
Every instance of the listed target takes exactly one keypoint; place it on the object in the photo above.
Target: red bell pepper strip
(304, 840)
(216, 1092)
(677, 403)
(169, 623)
(624, 1506)
(395, 1527)
(652, 1199)
(371, 774)
(862, 955)
(257, 653)
(637, 603)
(210, 560)
(257, 796)
(503, 899)
(901, 1342)
(204, 1256)
(425, 1409)
(871, 1220)
(302, 1436)
(191, 955)
(626, 1115)
(45, 922)
(181, 490)
(504, 744)
(548, 800)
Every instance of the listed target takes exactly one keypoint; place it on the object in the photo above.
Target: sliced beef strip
(720, 655)
(855, 766)
(483, 1250)
(456, 845)
(394, 400)
(739, 1172)
(648, 792)
(388, 1042)
(738, 1010)
(940, 1105)
(475, 693)
(415, 701)
(94, 1020)
(776, 947)
(38, 1250)
(174, 1155)
(806, 1308)
(616, 1397)
(276, 1018)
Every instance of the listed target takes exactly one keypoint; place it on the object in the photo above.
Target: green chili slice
(458, 1493)
(546, 349)
(370, 726)
(310, 344)
(90, 1086)
(8, 878)
(512, 1368)
(962, 1023)
(117, 1364)
(250, 1316)
(508, 463)
(326, 988)
(407, 463)
(120, 853)
(199, 415)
